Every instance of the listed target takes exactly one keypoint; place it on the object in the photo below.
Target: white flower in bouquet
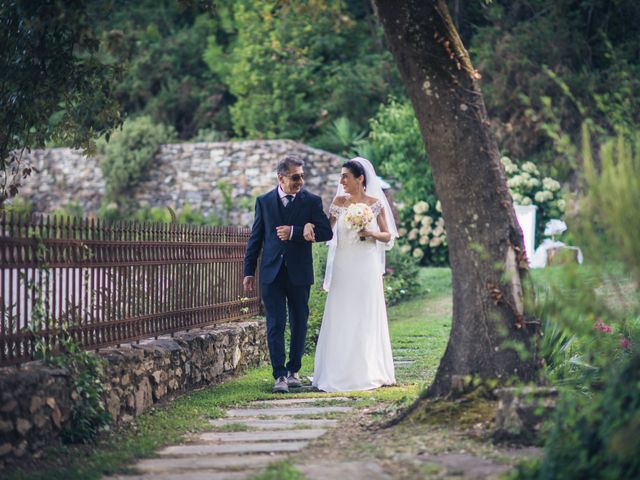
(358, 216)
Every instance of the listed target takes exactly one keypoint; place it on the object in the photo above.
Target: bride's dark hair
(356, 169)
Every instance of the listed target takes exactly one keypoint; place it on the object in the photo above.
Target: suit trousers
(278, 297)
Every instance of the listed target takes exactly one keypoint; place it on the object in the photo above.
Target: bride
(354, 349)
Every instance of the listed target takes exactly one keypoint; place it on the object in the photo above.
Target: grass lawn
(419, 331)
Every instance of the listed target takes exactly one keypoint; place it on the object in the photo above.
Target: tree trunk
(491, 337)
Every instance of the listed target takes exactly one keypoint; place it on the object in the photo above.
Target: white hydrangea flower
(423, 240)
(405, 248)
(413, 234)
(426, 220)
(533, 183)
(417, 219)
(562, 205)
(421, 207)
(517, 198)
(435, 242)
(402, 232)
(438, 231)
(515, 181)
(543, 196)
(438, 206)
(425, 230)
(550, 184)
(440, 222)
(417, 253)
(525, 201)
(529, 167)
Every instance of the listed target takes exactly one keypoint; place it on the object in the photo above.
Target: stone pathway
(247, 440)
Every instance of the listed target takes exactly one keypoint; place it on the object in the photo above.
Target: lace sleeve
(334, 210)
(376, 208)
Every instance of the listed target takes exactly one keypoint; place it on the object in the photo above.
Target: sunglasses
(296, 177)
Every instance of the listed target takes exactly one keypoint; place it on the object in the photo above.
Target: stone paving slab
(294, 401)
(283, 411)
(216, 449)
(263, 436)
(343, 470)
(271, 424)
(169, 465)
(192, 475)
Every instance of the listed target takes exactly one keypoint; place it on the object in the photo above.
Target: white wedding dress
(354, 348)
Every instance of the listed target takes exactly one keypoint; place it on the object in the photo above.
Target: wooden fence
(105, 284)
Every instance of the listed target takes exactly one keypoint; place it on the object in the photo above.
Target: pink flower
(600, 326)
(390, 270)
(624, 343)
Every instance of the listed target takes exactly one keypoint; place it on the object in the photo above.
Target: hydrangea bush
(528, 187)
(423, 234)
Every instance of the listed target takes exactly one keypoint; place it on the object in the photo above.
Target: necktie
(289, 200)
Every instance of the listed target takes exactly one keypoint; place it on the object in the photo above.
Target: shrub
(129, 153)
(423, 236)
(528, 187)
(401, 277)
(594, 431)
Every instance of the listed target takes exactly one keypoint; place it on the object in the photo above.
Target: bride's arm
(383, 235)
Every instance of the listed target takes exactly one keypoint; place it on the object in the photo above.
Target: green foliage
(294, 66)
(528, 187)
(162, 45)
(89, 413)
(423, 235)
(341, 137)
(129, 154)
(54, 85)
(317, 297)
(549, 65)
(613, 225)
(395, 146)
(593, 317)
(401, 277)
(280, 470)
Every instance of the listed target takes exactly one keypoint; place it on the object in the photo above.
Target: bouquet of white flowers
(358, 216)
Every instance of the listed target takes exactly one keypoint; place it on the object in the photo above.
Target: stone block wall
(183, 173)
(36, 401)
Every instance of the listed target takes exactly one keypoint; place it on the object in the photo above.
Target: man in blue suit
(288, 219)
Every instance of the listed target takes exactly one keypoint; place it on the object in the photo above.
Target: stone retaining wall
(36, 401)
(193, 173)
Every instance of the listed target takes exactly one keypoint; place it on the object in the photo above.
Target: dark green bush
(129, 153)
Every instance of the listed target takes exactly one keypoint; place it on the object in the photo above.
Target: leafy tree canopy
(54, 84)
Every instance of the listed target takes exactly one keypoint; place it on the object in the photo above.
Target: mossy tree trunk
(486, 248)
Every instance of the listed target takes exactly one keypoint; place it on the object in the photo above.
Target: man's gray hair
(287, 162)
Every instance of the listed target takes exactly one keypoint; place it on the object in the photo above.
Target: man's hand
(309, 233)
(248, 284)
(283, 232)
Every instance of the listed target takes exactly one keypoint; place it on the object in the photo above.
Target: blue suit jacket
(295, 253)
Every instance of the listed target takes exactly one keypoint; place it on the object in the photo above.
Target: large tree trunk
(486, 248)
